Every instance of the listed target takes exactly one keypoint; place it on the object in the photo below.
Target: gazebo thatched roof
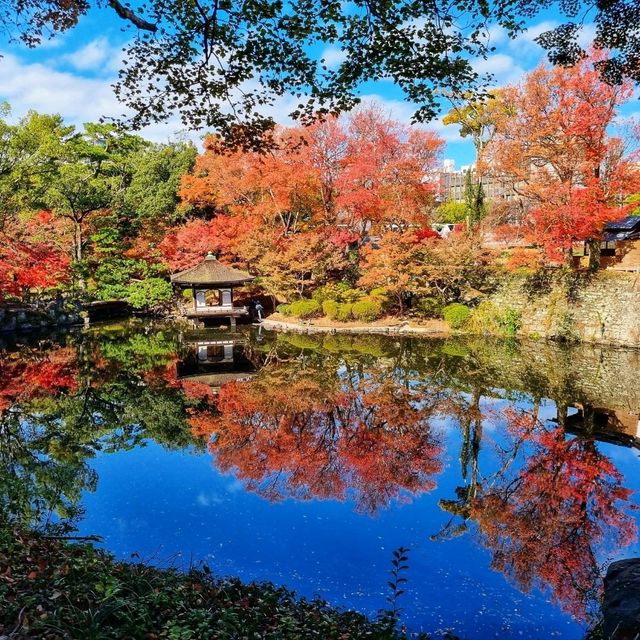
(210, 272)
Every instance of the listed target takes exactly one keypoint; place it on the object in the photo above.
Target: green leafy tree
(93, 169)
(151, 197)
(29, 154)
(473, 200)
(452, 212)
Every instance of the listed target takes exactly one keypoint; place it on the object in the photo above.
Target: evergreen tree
(474, 200)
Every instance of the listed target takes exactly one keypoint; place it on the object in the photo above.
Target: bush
(351, 295)
(456, 314)
(379, 292)
(327, 292)
(304, 308)
(284, 309)
(367, 310)
(511, 321)
(330, 308)
(485, 319)
(428, 307)
(344, 312)
(149, 293)
(489, 318)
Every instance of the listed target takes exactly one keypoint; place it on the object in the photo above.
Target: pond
(510, 470)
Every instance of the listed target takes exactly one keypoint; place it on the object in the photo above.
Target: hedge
(304, 308)
(344, 312)
(330, 308)
(367, 310)
(456, 314)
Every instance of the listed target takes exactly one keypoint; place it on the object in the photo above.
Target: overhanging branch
(126, 14)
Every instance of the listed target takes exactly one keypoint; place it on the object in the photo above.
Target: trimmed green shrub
(330, 308)
(382, 296)
(304, 308)
(456, 314)
(149, 293)
(327, 292)
(344, 312)
(428, 307)
(368, 309)
(284, 309)
(351, 295)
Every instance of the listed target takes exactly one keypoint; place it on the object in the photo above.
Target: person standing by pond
(258, 308)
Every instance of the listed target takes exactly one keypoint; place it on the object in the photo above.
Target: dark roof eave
(214, 285)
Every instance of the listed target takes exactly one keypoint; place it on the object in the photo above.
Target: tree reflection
(336, 418)
(61, 404)
(308, 434)
(546, 521)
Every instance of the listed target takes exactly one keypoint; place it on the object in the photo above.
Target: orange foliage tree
(28, 258)
(291, 214)
(417, 262)
(552, 145)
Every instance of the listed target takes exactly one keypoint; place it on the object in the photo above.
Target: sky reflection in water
(327, 454)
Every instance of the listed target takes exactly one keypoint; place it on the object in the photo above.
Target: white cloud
(496, 35)
(503, 68)
(94, 56)
(333, 57)
(587, 35)
(43, 87)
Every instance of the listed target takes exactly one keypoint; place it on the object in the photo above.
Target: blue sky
(72, 75)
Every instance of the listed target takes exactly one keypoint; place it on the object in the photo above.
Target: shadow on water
(368, 420)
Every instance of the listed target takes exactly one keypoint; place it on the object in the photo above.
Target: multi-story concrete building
(451, 184)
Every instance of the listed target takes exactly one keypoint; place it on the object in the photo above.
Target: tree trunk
(77, 250)
(594, 254)
(77, 241)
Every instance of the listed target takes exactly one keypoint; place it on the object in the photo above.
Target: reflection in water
(358, 419)
(545, 521)
(309, 434)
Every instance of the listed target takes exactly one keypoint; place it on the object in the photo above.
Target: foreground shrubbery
(304, 308)
(53, 590)
(456, 314)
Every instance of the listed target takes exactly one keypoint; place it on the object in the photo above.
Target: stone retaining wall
(602, 308)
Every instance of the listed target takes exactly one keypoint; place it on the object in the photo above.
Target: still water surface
(510, 470)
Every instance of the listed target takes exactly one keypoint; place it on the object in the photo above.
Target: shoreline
(401, 328)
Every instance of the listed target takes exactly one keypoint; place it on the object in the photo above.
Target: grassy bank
(54, 590)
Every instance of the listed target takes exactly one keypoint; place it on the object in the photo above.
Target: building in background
(451, 184)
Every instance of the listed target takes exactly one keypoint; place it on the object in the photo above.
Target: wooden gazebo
(212, 284)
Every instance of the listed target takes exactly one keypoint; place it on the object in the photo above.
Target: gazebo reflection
(214, 359)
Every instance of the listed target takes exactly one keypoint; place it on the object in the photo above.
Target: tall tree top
(220, 64)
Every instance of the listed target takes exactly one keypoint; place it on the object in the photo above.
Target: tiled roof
(626, 224)
(211, 272)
